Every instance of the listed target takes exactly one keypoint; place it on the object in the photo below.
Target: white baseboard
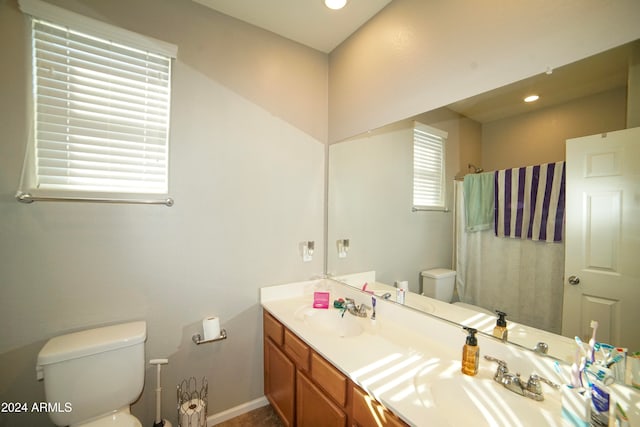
(223, 416)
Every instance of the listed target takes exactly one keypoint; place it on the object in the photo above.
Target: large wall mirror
(370, 195)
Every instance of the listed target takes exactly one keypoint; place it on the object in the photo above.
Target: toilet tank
(438, 283)
(93, 372)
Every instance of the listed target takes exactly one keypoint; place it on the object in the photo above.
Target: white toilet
(91, 377)
(438, 283)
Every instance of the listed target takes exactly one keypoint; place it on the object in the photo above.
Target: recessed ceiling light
(531, 98)
(335, 4)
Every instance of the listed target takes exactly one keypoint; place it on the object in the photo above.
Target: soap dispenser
(470, 353)
(500, 331)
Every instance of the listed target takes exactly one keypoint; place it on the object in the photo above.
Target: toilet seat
(122, 418)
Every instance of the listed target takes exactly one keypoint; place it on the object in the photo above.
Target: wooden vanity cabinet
(297, 350)
(314, 407)
(272, 329)
(366, 411)
(308, 391)
(279, 378)
(331, 380)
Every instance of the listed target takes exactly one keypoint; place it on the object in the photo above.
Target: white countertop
(410, 362)
(483, 320)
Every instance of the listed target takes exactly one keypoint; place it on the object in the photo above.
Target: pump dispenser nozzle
(471, 338)
(500, 331)
(470, 353)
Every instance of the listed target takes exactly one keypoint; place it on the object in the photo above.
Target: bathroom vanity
(401, 369)
(303, 387)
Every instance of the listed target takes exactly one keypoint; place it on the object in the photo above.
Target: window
(428, 168)
(101, 98)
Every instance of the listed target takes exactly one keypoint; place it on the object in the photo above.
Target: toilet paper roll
(193, 413)
(211, 328)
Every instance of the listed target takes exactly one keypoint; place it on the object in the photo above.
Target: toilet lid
(117, 419)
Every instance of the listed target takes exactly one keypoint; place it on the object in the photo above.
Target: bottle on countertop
(470, 353)
(500, 331)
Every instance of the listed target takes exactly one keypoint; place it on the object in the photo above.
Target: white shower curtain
(520, 277)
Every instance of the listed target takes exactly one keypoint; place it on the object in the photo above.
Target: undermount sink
(480, 401)
(331, 321)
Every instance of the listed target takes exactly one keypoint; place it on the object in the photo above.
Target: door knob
(574, 280)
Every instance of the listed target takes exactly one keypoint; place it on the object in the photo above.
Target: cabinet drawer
(368, 412)
(297, 350)
(329, 378)
(272, 328)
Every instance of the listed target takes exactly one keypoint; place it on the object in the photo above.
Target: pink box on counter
(321, 300)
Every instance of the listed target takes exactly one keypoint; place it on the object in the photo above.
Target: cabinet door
(279, 382)
(314, 409)
(367, 412)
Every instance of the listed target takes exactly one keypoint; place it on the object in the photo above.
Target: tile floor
(261, 417)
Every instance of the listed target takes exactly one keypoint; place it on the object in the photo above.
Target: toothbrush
(580, 345)
(373, 305)
(556, 366)
(575, 372)
(586, 376)
(615, 359)
(592, 341)
(583, 364)
(606, 355)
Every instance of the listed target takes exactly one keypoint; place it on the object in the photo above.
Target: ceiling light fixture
(531, 98)
(335, 4)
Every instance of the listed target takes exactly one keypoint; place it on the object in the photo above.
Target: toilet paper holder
(197, 338)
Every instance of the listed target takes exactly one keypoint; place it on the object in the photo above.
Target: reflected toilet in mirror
(438, 283)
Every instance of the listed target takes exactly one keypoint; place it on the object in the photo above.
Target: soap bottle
(500, 331)
(470, 353)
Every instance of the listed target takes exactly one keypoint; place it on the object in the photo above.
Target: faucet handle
(533, 384)
(502, 368)
(501, 363)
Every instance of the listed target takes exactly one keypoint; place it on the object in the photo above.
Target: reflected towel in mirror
(478, 193)
(530, 202)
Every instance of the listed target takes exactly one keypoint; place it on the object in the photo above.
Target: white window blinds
(101, 113)
(428, 168)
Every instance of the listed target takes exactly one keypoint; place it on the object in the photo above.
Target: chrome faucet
(356, 310)
(531, 388)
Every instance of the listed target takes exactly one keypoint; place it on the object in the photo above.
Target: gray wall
(249, 123)
(370, 200)
(420, 55)
(539, 137)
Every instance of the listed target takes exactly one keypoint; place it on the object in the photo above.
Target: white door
(602, 258)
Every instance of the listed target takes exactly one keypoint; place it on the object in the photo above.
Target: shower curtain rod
(470, 166)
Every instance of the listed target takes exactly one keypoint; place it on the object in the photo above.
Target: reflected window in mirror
(428, 167)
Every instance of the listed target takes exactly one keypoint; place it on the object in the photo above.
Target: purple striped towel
(529, 202)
